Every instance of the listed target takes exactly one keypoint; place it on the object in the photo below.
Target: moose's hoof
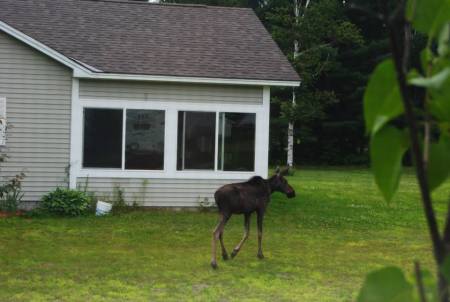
(234, 253)
(225, 256)
(260, 256)
(214, 264)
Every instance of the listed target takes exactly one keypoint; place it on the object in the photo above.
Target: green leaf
(439, 162)
(440, 108)
(444, 40)
(445, 268)
(386, 285)
(426, 57)
(387, 149)
(382, 101)
(439, 104)
(429, 284)
(444, 128)
(428, 16)
(434, 82)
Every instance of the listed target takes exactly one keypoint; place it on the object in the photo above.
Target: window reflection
(196, 140)
(144, 140)
(102, 147)
(236, 141)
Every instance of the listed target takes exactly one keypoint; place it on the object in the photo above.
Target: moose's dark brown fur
(246, 198)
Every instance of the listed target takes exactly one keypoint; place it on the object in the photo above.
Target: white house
(169, 102)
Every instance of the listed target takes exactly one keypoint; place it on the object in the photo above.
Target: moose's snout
(290, 192)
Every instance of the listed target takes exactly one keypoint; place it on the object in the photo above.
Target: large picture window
(134, 139)
(196, 140)
(144, 140)
(236, 142)
(102, 138)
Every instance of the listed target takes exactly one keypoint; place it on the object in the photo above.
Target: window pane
(144, 140)
(102, 138)
(196, 140)
(237, 142)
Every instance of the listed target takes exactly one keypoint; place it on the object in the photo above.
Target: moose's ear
(285, 171)
(277, 171)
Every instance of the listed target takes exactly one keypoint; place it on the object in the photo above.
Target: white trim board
(200, 174)
(81, 70)
(75, 135)
(179, 79)
(175, 105)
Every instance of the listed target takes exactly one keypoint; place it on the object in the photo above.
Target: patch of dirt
(197, 288)
(4, 214)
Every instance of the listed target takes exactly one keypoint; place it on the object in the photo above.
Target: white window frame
(262, 112)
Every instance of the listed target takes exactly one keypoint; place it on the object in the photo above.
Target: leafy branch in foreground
(405, 109)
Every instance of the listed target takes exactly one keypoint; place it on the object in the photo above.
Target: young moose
(246, 198)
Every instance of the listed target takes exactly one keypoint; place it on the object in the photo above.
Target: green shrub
(66, 202)
(10, 201)
(119, 204)
(11, 193)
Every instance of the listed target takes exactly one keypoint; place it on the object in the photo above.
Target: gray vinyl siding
(38, 92)
(159, 192)
(170, 92)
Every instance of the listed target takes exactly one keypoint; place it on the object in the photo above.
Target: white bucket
(103, 208)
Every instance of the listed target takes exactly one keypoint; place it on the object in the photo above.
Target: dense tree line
(340, 42)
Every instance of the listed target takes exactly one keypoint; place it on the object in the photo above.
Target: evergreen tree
(324, 32)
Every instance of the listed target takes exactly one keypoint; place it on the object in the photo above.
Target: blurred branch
(419, 281)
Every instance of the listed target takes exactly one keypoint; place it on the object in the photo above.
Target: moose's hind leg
(224, 251)
(216, 235)
(259, 218)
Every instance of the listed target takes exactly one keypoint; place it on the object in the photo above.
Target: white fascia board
(176, 79)
(41, 47)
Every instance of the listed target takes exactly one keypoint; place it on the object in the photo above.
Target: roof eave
(180, 79)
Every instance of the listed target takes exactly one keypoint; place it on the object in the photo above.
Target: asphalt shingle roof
(119, 36)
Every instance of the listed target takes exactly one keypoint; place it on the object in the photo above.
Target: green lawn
(318, 247)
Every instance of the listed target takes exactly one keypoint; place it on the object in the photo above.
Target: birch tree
(290, 144)
(316, 31)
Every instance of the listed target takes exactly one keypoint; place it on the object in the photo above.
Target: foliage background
(340, 44)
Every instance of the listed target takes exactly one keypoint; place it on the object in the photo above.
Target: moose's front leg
(259, 219)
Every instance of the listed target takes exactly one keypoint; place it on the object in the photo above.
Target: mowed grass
(318, 247)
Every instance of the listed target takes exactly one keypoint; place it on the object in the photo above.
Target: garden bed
(4, 214)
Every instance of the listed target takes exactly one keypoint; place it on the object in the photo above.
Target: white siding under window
(170, 92)
(155, 192)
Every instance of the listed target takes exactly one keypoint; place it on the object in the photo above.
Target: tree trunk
(290, 143)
